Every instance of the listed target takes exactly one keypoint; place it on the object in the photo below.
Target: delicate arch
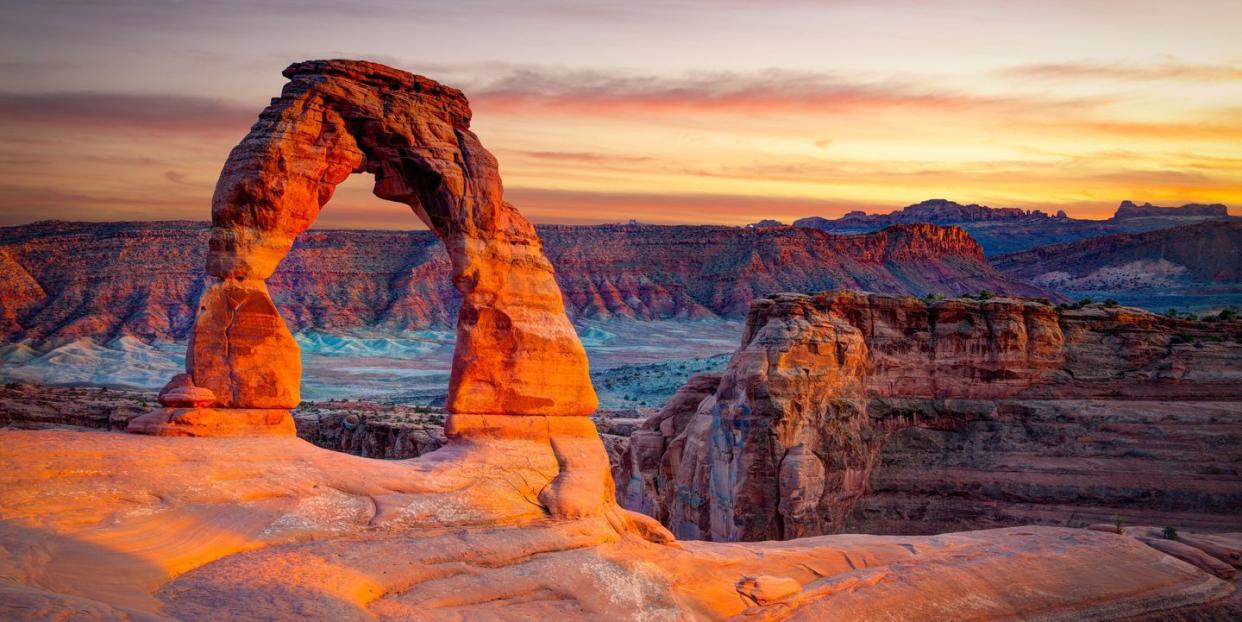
(516, 354)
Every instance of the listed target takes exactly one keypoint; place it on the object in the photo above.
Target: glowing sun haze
(670, 112)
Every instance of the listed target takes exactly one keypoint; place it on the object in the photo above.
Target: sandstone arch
(516, 354)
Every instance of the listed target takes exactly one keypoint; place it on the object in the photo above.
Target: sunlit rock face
(516, 352)
(789, 439)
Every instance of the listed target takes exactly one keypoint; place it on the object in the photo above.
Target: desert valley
(943, 411)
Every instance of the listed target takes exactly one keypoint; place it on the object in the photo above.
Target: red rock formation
(519, 389)
(145, 279)
(789, 442)
(516, 351)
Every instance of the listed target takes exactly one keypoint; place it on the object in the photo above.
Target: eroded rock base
(223, 422)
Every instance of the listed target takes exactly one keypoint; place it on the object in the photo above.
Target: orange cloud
(1117, 71)
(152, 111)
(774, 91)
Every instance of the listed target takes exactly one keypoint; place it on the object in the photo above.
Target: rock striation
(145, 279)
(792, 439)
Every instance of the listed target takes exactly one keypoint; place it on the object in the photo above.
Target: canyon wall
(145, 279)
(961, 412)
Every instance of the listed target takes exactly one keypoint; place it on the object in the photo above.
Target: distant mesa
(767, 223)
(1128, 209)
(1007, 230)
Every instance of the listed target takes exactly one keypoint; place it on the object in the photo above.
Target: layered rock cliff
(793, 435)
(144, 279)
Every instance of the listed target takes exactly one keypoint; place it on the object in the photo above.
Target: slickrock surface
(1018, 410)
(243, 529)
(144, 279)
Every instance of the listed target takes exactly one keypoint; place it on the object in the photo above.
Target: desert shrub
(1169, 533)
(1227, 315)
(1110, 303)
(1119, 522)
(986, 294)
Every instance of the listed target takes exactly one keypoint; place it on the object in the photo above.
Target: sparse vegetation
(981, 295)
(1111, 303)
(1120, 523)
(1169, 533)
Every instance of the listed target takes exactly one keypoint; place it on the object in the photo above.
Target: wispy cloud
(576, 157)
(1087, 70)
(775, 90)
(127, 110)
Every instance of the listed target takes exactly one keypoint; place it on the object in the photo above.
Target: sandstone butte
(218, 514)
(1005, 410)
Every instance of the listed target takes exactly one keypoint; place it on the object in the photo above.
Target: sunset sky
(668, 112)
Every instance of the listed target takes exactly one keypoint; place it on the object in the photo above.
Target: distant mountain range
(1187, 267)
(68, 280)
(1008, 230)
